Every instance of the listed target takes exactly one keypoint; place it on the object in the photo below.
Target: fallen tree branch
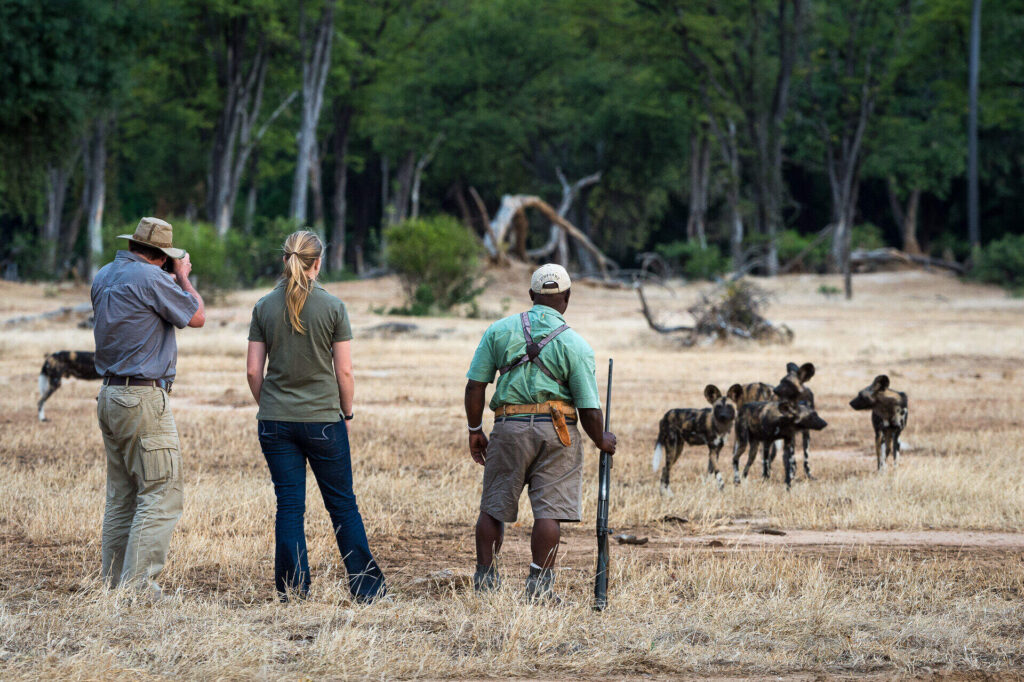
(650, 320)
(796, 260)
(59, 312)
(892, 255)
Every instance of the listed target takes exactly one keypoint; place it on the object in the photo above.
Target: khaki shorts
(528, 452)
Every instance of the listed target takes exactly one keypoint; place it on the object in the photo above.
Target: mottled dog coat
(694, 426)
(888, 417)
(793, 386)
(761, 423)
(63, 363)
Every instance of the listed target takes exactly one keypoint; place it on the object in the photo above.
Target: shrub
(693, 261)
(867, 236)
(438, 262)
(1002, 262)
(792, 244)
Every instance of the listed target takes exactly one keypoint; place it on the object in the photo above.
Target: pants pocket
(157, 456)
(126, 399)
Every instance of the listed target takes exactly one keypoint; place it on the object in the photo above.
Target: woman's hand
(255, 361)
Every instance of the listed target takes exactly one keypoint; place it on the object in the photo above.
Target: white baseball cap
(550, 278)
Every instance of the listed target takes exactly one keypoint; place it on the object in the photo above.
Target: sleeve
(583, 379)
(255, 328)
(483, 368)
(342, 327)
(171, 302)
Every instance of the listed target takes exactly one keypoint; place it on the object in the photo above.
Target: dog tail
(659, 454)
(44, 383)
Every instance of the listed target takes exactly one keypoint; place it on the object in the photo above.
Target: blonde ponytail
(301, 249)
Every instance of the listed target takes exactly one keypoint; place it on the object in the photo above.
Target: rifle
(604, 480)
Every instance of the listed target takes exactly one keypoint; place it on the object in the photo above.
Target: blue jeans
(287, 446)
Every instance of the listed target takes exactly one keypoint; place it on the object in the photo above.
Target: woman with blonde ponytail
(301, 336)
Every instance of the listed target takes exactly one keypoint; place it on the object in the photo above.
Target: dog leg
(767, 456)
(47, 387)
(894, 447)
(789, 461)
(673, 454)
(738, 447)
(713, 453)
(752, 456)
(807, 455)
(879, 457)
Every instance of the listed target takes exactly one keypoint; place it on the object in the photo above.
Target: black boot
(486, 578)
(539, 586)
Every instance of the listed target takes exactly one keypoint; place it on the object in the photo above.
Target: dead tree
(511, 204)
(417, 175)
(557, 240)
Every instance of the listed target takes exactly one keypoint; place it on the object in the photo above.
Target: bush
(1002, 262)
(438, 261)
(693, 261)
(792, 244)
(868, 237)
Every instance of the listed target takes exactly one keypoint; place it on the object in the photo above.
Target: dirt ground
(914, 572)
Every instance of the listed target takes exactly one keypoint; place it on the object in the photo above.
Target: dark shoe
(539, 586)
(379, 595)
(486, 579)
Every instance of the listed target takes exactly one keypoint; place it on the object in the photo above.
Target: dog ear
(792, 368)
(881, 382)
(712, 393)
(805, 372)
(735, 393)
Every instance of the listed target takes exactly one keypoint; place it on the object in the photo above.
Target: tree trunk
(973, 215)
(251, 194)
(910, 244)
(316, 188)
(339, 203)
(56, 190)
(316, 64)
(417, 176)
(97, 184)
(398, 210)
(700, 170)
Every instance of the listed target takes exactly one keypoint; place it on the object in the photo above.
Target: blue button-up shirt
(137, 306)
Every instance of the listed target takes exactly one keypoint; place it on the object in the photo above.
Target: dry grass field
(914, 572)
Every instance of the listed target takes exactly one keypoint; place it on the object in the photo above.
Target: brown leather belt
(539, 408)
(136, 381)
(559, 411)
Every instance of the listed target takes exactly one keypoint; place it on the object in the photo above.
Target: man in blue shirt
(137, 306)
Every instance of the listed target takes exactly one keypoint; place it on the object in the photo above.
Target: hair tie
(288, 254)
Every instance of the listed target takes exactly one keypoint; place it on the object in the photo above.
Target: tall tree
(315, 57)
(973, 217)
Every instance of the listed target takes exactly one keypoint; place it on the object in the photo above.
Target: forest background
(723, 135)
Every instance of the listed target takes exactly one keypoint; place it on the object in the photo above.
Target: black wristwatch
(348, 417)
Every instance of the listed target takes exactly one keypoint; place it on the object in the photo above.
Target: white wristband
(474, 429)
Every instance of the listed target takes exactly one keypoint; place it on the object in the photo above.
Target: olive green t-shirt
(300, 385)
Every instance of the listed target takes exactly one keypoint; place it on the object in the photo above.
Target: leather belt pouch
(561, 428)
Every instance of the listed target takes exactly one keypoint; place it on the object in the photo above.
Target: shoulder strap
(533, 350)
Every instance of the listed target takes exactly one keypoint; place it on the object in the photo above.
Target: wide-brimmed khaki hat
(156, 233)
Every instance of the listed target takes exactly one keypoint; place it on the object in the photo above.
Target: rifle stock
(604, 481)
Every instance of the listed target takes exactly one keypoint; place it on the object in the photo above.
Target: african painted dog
(708, 426)
(760, 423)
(793, 386)
(755, 393)
(888, 416)
(63, 363)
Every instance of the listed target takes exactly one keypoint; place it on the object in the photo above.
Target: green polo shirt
(300, 385)
(568, 357)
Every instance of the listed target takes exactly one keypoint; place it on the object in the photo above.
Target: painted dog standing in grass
(888, 416)
(64, 363)
(793, 386)
(761, 423)
(694, 426)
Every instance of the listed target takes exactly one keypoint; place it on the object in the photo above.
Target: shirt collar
(547, 310)
(129, 255)
(282, 282)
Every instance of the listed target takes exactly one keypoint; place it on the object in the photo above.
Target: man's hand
(608, 442)
(478, 446)
(592, 421)
(182, 268)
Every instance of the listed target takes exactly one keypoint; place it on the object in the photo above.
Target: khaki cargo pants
(144, 484)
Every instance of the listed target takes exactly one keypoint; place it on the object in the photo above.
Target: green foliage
(792, 244)
(1002, 262)
(693, 261)
(867, 236)
(438, 261)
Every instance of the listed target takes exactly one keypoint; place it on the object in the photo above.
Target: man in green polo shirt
(546, 382)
